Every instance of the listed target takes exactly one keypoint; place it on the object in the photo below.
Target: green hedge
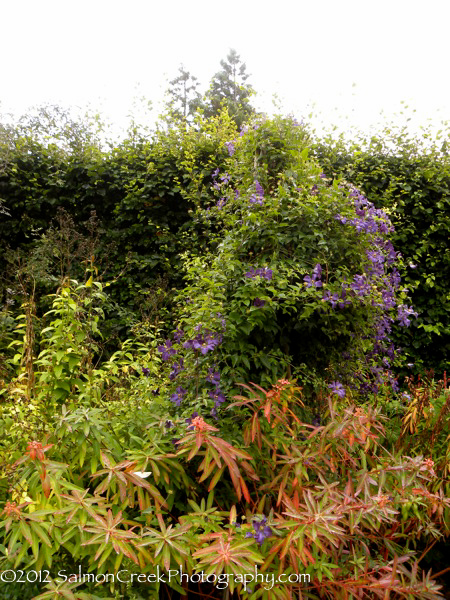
(135, 190)
(145, 223)
(412, 182)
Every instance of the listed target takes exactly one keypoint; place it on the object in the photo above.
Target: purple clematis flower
(403, 313)
(243, 131)
(218, 397)
(230, 147)
(337, 388)
(265, 273)
(178, 335)
(178, 396)
(258, 302)
(176, 369)
(190, 419)
(315, 279)
(167, 350)
(254, 199)
(259, 189)
(261, 530)
(204, 342)
(213, 376)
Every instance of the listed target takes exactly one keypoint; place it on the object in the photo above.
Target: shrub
(300, 277)
(336, 506)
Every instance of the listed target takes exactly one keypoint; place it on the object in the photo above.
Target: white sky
(352, 58)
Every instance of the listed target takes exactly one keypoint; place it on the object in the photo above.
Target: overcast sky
(352, 58)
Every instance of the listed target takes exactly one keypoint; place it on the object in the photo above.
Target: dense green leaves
(411, 180)
(248, 262)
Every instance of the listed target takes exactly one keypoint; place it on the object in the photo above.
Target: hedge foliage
(148, 460)
(409, 178)
(134, 189)
(145, 217)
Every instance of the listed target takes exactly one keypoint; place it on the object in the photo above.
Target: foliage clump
(320, 475)
(299, 276)
(408, 176)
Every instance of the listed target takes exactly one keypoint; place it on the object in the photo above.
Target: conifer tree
(184, 99)
(229, 89)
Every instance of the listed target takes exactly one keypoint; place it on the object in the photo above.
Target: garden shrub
(337, 506)
(300, 277)
(138, 191)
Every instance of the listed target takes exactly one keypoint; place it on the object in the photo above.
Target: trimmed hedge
(411, 182)
(134, 189)
(145, 218)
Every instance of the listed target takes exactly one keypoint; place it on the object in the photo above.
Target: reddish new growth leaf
(202, 425)
(274, 404)
(227, 554)
(79, 503)
(35, 450)
(217, 450)
(12, 510)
